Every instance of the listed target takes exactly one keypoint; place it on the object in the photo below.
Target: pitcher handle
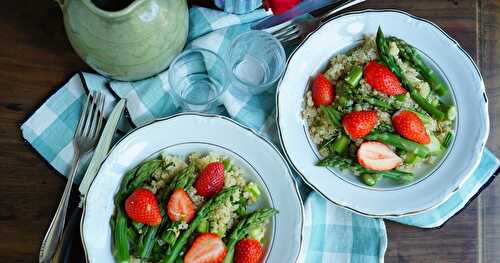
(60, 3)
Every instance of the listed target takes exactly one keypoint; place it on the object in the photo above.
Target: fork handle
(53, 235)
(339, 8)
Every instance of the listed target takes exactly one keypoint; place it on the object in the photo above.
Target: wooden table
(35, 57)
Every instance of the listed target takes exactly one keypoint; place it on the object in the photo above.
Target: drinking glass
(198, 77)
(255, 61)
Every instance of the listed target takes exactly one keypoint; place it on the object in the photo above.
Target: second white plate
(472, 124)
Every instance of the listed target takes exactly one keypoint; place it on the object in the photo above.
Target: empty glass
(256, 61)
(198, 77)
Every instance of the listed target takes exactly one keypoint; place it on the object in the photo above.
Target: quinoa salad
(173, 209)
(379, 111)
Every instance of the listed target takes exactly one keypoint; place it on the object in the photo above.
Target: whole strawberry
(410, 126)
(248, 251)
(142, 206)
(382, 79)
(211, 180)
(358, 124)
(322, 91)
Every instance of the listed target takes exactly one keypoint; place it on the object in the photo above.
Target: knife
(100, 153)
(304, 7)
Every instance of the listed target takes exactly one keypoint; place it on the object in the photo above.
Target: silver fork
(86, 136)
(299, 29)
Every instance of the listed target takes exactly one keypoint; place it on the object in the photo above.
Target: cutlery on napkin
(98, 157)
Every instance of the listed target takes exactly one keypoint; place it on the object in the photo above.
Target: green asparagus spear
(379, 103)
(182, 180)
(333, 115)
(400, 143)
(410, 55)
(447, 139)
(369, 179)
(205, 210)
(120, 246)
(354, 76)
(347, 164)
(244, 226)
(340, 144)
(132, 180)
(145, 172)
(390, 62)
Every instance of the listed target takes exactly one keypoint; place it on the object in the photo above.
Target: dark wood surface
(35, 57)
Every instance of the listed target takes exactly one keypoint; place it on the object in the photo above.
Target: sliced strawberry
(377, 156)
(410, 126)
(142, 206)
(211, 180)
(322, 91)
(206, 248)
(382, 79)
(358, 124)
(180, 207)
(248, 251)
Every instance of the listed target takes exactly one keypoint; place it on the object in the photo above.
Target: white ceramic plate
(435, 185)
(183, 134)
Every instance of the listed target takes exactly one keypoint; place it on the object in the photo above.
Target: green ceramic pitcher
(135, 42)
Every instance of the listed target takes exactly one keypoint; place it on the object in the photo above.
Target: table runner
(332, 234)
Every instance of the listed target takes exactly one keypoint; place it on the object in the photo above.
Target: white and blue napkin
(332, 234)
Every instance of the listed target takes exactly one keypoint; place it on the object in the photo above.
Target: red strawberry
(211, 180)
(410, 126)
(279, 6)
(322, 90)
(142, 206)
(377, 156)
(358, 124)
(382, 79)
(180, 207)
(248, 251)
(206, 248)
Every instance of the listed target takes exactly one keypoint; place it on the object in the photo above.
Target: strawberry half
(211, 180)
(377, 156)
(142, 206)
(410, 126)
(382, 79)
(180, 207)
(322, 91)
(206, 248)
(248, 251)
(358, 124)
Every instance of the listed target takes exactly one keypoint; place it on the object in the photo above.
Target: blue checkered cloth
(332, 234)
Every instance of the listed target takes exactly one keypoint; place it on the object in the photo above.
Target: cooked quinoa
(323, 131)
(169, 173)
